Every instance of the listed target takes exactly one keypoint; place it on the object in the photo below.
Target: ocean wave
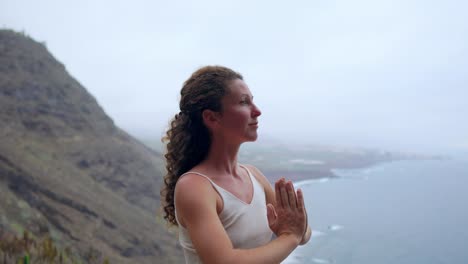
(335, 227)
(309, 182)
(319, 260)
(318, 233)
(296, 258)
(306, 162)
(355, 177)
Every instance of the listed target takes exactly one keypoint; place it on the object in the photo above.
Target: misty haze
(387, 74)
(363, 106)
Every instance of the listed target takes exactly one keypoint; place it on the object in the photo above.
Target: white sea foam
(356, 177)
(335, 227)
(309, 182)
(319, 260)
(306, 162)
(318, 233)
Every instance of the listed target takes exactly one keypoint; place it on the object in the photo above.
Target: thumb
(271, 215)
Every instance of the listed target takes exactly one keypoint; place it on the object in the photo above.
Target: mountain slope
(66, 170)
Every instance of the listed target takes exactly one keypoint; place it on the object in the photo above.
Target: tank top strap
(251, 176)
(216, 186)
(256, 185)
(248, 171)
(253, 179)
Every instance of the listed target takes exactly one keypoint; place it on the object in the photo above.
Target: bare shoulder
(193, 194)
(193, 186)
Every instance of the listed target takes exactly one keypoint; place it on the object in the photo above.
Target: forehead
(238, 88)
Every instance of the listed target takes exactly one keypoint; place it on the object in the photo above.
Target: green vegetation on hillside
(27, 249)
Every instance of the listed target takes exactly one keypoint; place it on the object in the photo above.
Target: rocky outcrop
(67, 171)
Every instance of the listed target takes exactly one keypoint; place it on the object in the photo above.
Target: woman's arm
(196, 210)
(271, 199)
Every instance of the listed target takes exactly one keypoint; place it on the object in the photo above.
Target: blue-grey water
(399, 212)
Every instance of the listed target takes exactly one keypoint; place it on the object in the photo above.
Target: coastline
(319, 173)
(296, 175)
(328, 170)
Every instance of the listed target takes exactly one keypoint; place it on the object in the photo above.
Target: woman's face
(239, 118)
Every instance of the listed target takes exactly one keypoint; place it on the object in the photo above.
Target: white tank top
(245, 224)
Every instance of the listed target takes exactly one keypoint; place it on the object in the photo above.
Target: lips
(254, 124)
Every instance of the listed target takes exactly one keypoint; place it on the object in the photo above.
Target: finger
(284, 194)
(271, 215)
(291, 195)
(300, 200)
(301, 207)
(278, 193)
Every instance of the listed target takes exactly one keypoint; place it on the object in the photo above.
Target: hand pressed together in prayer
(289, 215)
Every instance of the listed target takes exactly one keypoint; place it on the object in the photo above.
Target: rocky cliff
(67, 171)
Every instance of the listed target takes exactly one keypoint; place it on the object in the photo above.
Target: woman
(226, 212)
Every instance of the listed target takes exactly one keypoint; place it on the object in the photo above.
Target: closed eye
(246, 99)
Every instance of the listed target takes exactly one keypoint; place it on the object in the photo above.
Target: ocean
(404, 212)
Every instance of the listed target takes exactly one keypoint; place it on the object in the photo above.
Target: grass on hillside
(27, 249)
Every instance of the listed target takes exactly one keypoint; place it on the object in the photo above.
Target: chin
(252, 138)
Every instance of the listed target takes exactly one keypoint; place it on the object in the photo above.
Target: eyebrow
(244, 95)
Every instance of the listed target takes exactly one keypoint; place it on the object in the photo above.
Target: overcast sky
(388, 74)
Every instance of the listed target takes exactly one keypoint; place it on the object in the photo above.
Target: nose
(256, 111)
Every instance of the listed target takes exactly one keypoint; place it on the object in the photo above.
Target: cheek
(237, 118)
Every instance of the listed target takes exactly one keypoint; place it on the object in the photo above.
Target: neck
(222, 156)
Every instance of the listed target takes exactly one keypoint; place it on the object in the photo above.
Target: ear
(210, 118)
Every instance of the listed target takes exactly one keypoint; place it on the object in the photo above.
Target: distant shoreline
(296, 176)
(320, 172)
(324, 171)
